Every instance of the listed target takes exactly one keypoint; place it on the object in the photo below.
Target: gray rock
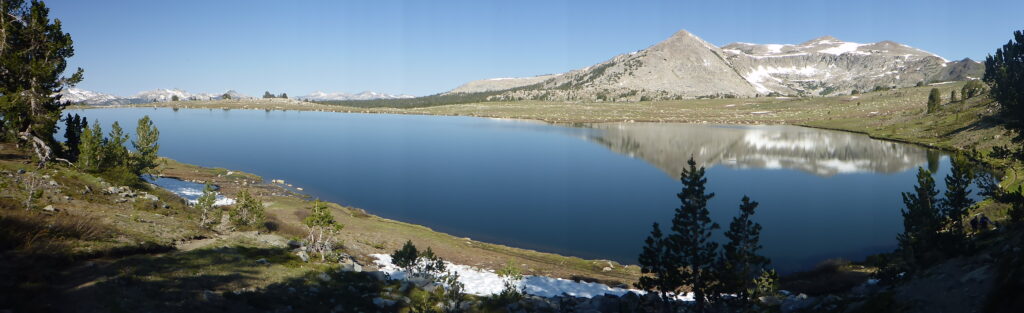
(263, 262)
(303, 255)
(294, 244)
(769, 300)
(378, 275)
(324, 277)
(49, 208)
(797, 303)
(383, 303)
(53, 183)
(209, 295)
(150, 197)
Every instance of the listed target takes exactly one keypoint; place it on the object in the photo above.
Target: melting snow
(485, 282)
(846, 47)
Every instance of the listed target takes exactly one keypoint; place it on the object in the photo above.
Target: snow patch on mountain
(341, 96)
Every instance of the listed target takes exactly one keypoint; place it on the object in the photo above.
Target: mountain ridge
(686, 66)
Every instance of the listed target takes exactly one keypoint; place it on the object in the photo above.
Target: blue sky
(426, 47)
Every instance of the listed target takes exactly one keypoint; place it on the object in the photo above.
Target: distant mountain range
(81, 96)
(685, 66)
(339, 96)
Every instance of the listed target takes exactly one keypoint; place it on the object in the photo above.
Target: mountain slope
(685, 66)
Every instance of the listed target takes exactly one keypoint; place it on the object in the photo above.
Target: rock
(50, 208)
(150, 197)
(769, 300)
(351, 267)
(378, 275)
(112, 190)
(294, 244)
(324, 277)
(209, 295)
(21, 171)
(262, 262)
(67, 198)
(797, 303)
(53, 183)
(304, 256)
(87, 190)
(606, 269)
(383, 303)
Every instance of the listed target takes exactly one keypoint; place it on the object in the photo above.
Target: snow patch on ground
(846, 47)
(484, 282)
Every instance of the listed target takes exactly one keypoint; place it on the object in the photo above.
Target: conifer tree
(92, 149)
(283, 96)
(116, 154)
(952, 96)
(267, 95)
(740, 262)
(958, 194)
(248, 213)
(175, 98)
(691, 237)
(322, 229)
(145, 145)
(72, 136)
(209, 214)
(226, 96)
(1004, 73)
(934, 100)
(405, 257)
(659, 266)
(33, 54)
(921, 220)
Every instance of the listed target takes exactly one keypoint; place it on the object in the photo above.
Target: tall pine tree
(1004, 73)
(921, 220)
(958, 194)
(146, 146)
(691, 238)
(934, 100)
(740, 261)
(33, 54)
(659, 265)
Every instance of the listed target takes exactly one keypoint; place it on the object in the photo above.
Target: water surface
(589, 192)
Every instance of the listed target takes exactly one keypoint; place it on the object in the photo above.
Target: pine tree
(226, 96)
(72, 136)
(33, 54)
(175, 98)
(952, 96)
(658, 264)
(146, 146)
(267, 95)
(691, 238)
(283, 96)
(248, 213)
(958, 195)
(740, 262)
(116, 154)
(92, 149)
(934, 100)
(205, 204)
(1004, 73)
(921, 220)
(322, 229)
(405, 257)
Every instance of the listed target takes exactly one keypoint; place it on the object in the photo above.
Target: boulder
(150, 197)
(324, 277)
(303, 255)
(383, 303)
(262, 262)
(50, 208)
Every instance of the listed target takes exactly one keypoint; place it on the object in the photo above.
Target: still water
(590, 192)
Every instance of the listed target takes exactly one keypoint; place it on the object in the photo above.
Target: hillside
(685, 66)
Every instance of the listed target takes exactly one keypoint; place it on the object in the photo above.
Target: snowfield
(485, 282)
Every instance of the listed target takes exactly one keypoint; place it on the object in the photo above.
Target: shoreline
(285, 105)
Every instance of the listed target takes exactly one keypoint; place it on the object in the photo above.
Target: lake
(590, 192)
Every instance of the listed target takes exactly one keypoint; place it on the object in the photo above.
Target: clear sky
(426, 47)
